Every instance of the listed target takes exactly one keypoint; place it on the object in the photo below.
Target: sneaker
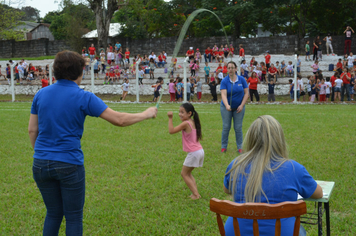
(333, 54)
(240, 151)
(120, 98)
(223, 150)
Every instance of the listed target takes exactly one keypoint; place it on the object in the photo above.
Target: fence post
(185, 78)
(137, 86)
(92, 75)
(295, 77)
(50, 73)
(12, 81)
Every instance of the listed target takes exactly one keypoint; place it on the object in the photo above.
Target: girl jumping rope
(191, 134)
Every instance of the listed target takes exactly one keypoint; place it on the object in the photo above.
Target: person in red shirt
(253, 81)
(339, 66)
(92, 52)
(44, 81)
(264, 71)
(231, 51)
(346, 77)
(272, 73)
(242, 52)
(219, 67)
(161, 60)
(224, 71)
(268, 59)
(221, 55)
(127, 56)
(332, 80)
(190, 53)
(208, 54)
(117, 75)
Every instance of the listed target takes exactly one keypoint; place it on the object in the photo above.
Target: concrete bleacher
(146, 89)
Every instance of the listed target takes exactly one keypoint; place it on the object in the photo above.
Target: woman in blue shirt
(265, 174)
(55, 128)
(234, 94)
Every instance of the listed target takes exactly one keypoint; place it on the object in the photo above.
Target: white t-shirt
(141, 73)
(111, 56)
(338, 83)
(328, 88)
(221, 76)
(290, 67)
(244, 66)
(152, 56)
(328, 39)
(350, 60)
(300, 84)
(125, 86)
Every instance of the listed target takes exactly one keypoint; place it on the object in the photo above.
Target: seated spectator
(244, 69)
(272, 73)
(231, 51)
(152, 56)
(215, 51)
(226, 51)
(289, 69)
(221, 55)
(208, 54)
(190, 54)
(278, 67)
(29, 78)
(197, 55)
(161, 60)
(339, 66)
(280, 179)
(283, 69)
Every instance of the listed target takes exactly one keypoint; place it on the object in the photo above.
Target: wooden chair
(258, 211)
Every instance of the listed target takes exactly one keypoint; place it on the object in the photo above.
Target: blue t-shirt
(207, 70)
(61, 109)
(282, 185)
(179, 86)
(271, 88)
(96, 65)
(313, 89)
(237, 90)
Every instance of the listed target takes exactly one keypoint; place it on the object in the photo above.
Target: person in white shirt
(350, 60)
(125, 89)
(153, 55)
(244, 69)
(337, 89)
(141, 73)
(328, 40)
(300, 87)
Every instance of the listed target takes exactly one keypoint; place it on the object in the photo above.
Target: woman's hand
(228, 108)
(239, 109)
(170, 114)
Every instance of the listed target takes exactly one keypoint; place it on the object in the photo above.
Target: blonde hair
(264, 143)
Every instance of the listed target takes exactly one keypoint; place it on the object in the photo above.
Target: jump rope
(179, 43)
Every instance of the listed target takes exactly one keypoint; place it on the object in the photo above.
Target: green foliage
(30, 14)
(9, 20)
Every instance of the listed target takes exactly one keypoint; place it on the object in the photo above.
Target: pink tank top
(190, 142)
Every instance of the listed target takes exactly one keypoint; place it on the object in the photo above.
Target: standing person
(265, 174)
(313, 90)
(234, 94)
(253, 81)
(320, 51)
(332, 80)
(271, 86)
(207, 72)
(92, 52)
(191, 134)
(350, 61)
(299, 64)
(315, 48)
(315, 67)
(300, 87)
(179, 89)
(199, 86)
(152, 65)
(125, 89)
(328, 88)
(157, 88)
(307, 51)
(212, 86)
(348, 37)
(44, 81)
(322, 90)
(328, 44)
(242, 52)
(127, 56)
(268, 59)
(141, 74)
(291, 89)
(55, 130)
(337, 86)
(346, 78)
(172, 90)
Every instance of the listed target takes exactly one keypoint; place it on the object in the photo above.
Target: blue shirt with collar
(61, 109)
(237, 90)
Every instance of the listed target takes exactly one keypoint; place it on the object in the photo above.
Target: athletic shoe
(120, 98)
(223, 150)
(240, 151)
(333, 54)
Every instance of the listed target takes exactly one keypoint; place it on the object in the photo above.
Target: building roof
(39, 24)
(114, 30)
(26, 26)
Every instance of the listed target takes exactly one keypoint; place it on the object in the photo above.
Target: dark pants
(254, 92)
(192, 72)
(207, 56)
(215, 97)
(345, 88)
(315, 53)
(332, 93)
(62, 186)
(347, 45)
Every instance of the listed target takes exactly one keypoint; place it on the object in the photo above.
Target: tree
(9, 20)
(104, 10)
(30, 14)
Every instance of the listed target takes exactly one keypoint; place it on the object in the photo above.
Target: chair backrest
(258, 211)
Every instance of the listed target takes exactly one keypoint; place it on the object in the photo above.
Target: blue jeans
(62, 186)
(345, 88)
(160, 64)
(227, 116)
(207, 56)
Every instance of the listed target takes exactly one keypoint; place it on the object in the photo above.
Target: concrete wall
(253, 46)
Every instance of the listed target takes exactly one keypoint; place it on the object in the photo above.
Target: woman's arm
(126, 119)
(244, 100)
(318, 193)
(172, 130)
(224, 99)
(33, 129)
(226, 190)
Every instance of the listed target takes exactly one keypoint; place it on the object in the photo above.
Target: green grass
(28, 58)
(133, 182)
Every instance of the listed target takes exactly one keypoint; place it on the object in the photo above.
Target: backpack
(331, 67)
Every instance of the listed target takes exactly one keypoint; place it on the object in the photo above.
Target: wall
(253, 46)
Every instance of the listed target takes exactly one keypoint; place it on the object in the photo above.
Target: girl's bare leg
(190, 182)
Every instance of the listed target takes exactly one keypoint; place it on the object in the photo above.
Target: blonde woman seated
(264, 173)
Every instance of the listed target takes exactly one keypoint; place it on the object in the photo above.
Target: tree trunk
(103, 18)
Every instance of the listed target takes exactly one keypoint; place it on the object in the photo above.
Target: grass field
(133, 182)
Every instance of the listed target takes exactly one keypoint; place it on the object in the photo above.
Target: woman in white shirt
(337, 89)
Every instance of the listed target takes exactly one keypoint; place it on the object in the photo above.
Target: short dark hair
(231, 62)
(68, 65)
